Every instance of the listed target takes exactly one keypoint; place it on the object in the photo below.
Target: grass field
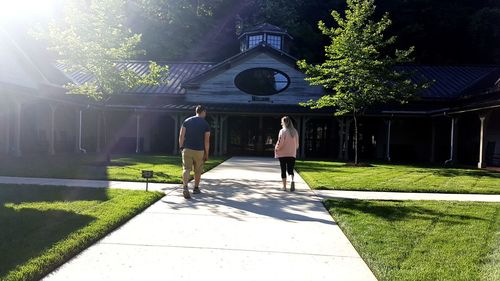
(404, 178)
(167, 169)
(423, 240)
(42, 227)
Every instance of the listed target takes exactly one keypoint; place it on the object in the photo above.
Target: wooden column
(303, 137)
(388, 149)
(8, 118)
(105, 131)
(138, 133)
(433, 142)
(216, 135)
(483, 118)
(299, 130)
(52, 133)
(453, 138)
(259, 146)
(17, 129)
(80, 132)
(77, 131)
(176, 133)
(98, 133)
(226, 132)
(222, 122)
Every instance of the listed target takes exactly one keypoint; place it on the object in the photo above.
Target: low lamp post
(147, 174)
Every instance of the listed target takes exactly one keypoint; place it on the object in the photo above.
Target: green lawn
(423, 240)
(405, 178)
(168, 169)
(42, 227)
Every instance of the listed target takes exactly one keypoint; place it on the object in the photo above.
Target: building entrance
(252, 135)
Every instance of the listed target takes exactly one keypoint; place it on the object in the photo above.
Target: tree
(92, 38)
(358, 71)
(484, 28)
(184, 29)
(443, 32)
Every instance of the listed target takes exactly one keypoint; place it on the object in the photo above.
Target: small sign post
(147, 174)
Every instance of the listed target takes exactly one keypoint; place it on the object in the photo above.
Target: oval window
(262, 81)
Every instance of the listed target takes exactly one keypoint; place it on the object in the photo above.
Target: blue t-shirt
(196, 127)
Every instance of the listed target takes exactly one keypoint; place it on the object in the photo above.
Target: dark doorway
(319, 140)
(368, 136)
(469, 127)
(252, 135)
(162, 134)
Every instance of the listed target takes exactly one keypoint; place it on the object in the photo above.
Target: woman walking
(286, 150)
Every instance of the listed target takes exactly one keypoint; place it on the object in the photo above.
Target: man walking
(194, 143)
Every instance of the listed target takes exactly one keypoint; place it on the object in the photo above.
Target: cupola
(267, 34)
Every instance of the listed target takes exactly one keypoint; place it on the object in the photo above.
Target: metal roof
(450, 81)
(171, 84)
(16, 68)
(264, 28)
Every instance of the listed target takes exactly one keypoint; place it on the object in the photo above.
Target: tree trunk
(355, 138)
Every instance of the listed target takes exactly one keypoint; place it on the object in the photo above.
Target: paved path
(242, 227)
(322, 194)
(90, 183)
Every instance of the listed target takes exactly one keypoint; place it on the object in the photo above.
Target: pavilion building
(457, 119)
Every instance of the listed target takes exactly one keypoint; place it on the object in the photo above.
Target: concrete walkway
(90, 183)
(321, 194)
(242, 227)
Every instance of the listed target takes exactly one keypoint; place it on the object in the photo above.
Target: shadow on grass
(453, 172)
(89, 166)
(399, 212)
(313, 167)
(335, 167)
(147, 159)
(26, 193)
(58, 166)
(26, 233)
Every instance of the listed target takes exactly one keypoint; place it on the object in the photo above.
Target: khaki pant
(191, 158)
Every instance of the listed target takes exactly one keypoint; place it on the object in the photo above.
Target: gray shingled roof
(178, 72)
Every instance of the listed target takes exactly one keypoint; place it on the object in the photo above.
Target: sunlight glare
(25, 9)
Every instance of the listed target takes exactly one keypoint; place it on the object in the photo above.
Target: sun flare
(25, 9)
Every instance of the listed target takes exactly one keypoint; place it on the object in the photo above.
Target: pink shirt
(287, 145)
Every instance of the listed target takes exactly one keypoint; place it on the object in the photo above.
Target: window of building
(254, 40)
(262, 81)
(274, 41)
